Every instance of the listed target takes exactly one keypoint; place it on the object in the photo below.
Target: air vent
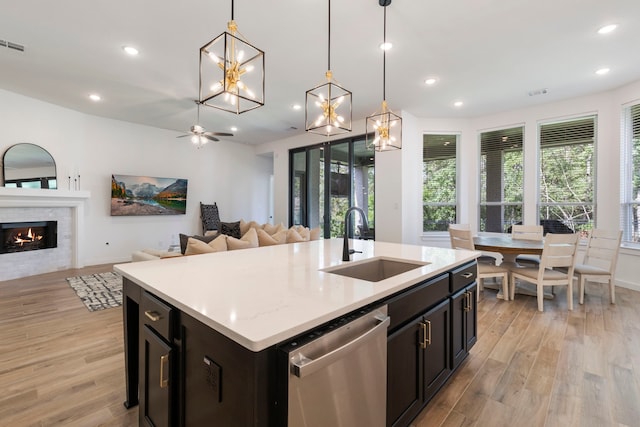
(12, 45)
(539, 92)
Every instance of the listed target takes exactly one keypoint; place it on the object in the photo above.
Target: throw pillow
(272, 229)
(293, 236)
(249, 240)
(314, 233)
(195, 246)
(304, 233)
(184, 238)
(264, 239)
(231, 229)
(244, 227)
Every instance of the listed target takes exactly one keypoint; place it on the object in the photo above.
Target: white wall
(230, 174)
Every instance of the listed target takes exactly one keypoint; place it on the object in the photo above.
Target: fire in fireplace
(28, 236)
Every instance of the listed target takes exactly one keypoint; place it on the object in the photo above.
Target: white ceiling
(488, 53)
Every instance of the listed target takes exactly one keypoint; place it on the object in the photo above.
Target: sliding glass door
(328, 179)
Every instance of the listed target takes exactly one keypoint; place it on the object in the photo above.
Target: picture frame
(133, 195)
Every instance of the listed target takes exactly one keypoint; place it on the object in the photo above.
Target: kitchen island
(220, 317)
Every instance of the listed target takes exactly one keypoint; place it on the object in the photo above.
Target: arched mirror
(28, 166)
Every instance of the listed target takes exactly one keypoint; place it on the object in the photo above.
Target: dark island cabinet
(433, 326)
(184, 373)
(158, 362)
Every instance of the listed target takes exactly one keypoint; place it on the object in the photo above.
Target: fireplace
(28, 236)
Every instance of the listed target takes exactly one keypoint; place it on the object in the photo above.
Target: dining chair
(527, 232)
(599, 264)
(559, 251)
(461, 238)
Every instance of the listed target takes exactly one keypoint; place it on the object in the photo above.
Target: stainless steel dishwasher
(338, 373)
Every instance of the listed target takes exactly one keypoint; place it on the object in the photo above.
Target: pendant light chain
(384, 56)
(329, 37)
(232, 10)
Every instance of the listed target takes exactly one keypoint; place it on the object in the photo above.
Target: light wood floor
(62, 365)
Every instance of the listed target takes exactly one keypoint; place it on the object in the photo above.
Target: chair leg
(480, 288)
(612, 290)
(581, 289)
(512, 286)
(540, 296)
(570, 293)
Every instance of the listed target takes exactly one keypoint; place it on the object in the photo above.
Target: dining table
(510, 248)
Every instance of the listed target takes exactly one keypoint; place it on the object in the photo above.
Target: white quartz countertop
(263, 296)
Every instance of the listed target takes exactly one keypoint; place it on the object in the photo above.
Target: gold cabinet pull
(423, 341)
(467, 301)
(428, 340)
(467, 275)
(152, 315)
(426, 333)
(164, 360)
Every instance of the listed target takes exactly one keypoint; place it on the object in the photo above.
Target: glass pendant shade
(384, 130)
(328, 109)
(231, 73)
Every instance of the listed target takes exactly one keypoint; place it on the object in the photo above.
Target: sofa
(232, 236)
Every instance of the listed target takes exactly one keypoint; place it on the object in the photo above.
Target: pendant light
(384, 129)
(231, 72)
(328, 105)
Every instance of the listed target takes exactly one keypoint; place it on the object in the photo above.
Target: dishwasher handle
(306, 366)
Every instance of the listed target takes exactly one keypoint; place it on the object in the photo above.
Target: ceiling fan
(201, 137)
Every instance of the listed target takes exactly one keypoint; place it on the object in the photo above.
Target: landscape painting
(146, 195)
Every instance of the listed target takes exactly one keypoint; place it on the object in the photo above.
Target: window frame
(456, 203)
(593, 203)
(627, 175)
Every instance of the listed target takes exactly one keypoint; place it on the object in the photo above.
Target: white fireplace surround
(46, 198)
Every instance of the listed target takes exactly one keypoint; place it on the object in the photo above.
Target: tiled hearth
(65, 207)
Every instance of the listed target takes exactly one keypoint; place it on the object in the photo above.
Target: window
(630, 182)
(567, 174)
(439, 182)
(501, 179)
(328, 179)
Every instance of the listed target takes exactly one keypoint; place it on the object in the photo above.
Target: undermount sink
(375, 269)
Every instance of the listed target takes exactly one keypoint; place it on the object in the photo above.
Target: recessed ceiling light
(607, 29)
(430, 81)
(95, 97)
(458, 104)
(296, 106)
(234, 129)
(130, 50)
(386, 46)
(602, 71)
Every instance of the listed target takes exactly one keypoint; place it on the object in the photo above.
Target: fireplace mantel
(36, 197)
(47, 198)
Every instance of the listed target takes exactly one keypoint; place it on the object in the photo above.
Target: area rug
(98, 291)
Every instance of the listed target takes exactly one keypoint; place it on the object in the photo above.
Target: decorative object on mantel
(145, 195)
(328, 106)
(231, 72)
(199, 136)
(98, 291)
(384, 127)
(27, 165)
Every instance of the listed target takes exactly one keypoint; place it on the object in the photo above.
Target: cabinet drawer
(158, 315)
(417, 300)
(463, 276)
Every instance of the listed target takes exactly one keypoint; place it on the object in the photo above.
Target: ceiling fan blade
(220, 133)
(182, 136)
(210, 137)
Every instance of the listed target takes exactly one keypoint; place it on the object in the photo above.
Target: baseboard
(628, 285)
